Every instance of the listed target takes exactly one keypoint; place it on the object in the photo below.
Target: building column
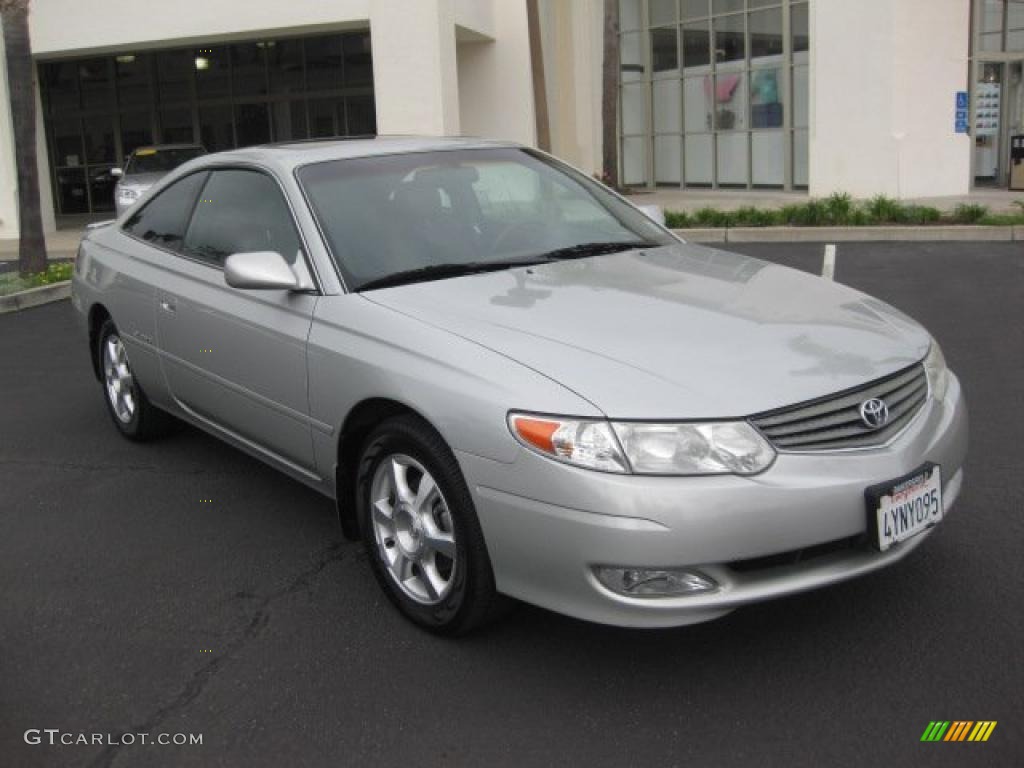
(883, 81)
(416, 85)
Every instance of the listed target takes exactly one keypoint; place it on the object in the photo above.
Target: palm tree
(610, 95)
(32, 244)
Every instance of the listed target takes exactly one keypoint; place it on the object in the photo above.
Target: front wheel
(420, 529)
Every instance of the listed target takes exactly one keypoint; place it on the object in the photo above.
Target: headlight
(936, 370)
(583, 442)
(707, 448)
(710, 448)
(127, 196)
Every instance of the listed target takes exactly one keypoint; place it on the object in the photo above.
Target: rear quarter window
(163, 219)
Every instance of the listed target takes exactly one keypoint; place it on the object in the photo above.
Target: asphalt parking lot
(127, 604)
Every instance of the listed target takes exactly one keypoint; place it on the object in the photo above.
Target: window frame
(209, 170)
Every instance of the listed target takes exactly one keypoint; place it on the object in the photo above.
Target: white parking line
(828, 267)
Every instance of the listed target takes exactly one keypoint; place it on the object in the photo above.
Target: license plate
(902, 508)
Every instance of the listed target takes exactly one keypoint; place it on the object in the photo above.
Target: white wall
(80, 26)
(883, 79)
(572, 32)
(476, 16)
(494, 79)
(416, 84)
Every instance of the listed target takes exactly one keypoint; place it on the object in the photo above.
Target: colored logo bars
(958, 730)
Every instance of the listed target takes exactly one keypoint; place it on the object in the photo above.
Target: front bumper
(547, 524)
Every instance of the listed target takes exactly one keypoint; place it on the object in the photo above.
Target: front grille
(834, 422)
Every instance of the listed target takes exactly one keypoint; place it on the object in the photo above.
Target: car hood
(674, 332)
(141, 181)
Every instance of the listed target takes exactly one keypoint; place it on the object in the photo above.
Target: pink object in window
(725, 88)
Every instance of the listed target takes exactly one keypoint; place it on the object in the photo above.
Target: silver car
(516, 384)
(145, 166)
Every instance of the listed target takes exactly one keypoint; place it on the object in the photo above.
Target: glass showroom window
(98, 110)
(998, 25)
(714, 93)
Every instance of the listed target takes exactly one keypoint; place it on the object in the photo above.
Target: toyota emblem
(874, 413)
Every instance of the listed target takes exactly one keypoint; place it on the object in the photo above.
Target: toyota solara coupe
(516, 384)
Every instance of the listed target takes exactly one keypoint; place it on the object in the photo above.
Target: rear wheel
(420, 529)
(133, 415)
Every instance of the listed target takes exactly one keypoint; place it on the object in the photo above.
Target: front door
(998, 116)
(236, 359)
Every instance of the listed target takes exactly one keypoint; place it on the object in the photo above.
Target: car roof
(296, 153)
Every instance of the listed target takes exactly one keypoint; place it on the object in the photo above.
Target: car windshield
(425, 214)
(157, 160)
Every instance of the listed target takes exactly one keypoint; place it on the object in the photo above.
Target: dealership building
(902, 97)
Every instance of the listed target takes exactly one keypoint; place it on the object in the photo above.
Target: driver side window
(240, 211)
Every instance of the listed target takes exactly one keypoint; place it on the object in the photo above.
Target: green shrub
(677, 220)
(711, 217)
(969, 213)
(1003, 219)
(884, 210)
(788, 214)
(921, 214)
(749, 216)
(859, 217)
(839, 208)
(813, 213)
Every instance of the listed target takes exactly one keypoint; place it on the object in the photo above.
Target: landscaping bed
(12, 282)
(841, 210)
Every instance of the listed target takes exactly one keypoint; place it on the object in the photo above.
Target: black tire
(473, 599)
(147, 421)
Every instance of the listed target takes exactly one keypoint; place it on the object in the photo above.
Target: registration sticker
(902, 508)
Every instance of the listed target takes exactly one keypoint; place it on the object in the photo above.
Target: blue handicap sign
(961, 100)
(961, 126)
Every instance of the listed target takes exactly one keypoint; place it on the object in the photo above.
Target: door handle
(168, 305)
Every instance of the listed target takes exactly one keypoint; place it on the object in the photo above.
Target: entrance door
(988, 104)
(998, 115)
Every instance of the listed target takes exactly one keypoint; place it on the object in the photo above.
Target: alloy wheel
(413, 529)
(118, 378)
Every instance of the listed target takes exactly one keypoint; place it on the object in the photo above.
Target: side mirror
(117, 173)
(653, 212)
(260, 270)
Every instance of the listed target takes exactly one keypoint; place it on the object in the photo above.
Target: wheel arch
(361, 420)
(98, 315)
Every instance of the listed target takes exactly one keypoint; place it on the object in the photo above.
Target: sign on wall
(960, 119)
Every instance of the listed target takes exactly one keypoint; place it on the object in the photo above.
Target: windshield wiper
(441, 271)
(455, 269)
(583, 250)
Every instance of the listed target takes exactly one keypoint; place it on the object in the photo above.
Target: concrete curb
(942, 233)
(34, 297)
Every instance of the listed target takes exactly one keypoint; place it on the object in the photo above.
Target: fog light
(654, 582)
